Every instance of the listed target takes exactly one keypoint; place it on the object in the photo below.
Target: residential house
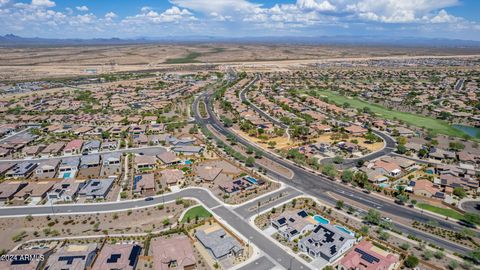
(68, 167)
(111, 159)
(73, 147)
(168, 158)
(21, 170)
(72, 257)
(171, 176)
(32, 151)
(387, 168)
(144, 184)
(46, 169)
(20, 259)
(145, 162)
(366, 256)
(326, 241)
(109, 145)
(292, 224)
(174, 253)
(91, 147)
(5, 167)
(9, 188)
(236, 185)
(89, 161)
(65, 191)
(188, 149)
(53, 149)
(356, 130)
(96, 188)
(36, 191)
(207, 173)
(117, 256)
(424, 188)
(219, 243)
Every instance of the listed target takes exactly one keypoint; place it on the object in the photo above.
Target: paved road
(262, 263)
(280, 196)
(230, 217)
(318, 185)
(243, 98)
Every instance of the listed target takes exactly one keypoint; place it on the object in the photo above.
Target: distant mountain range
(10, 40)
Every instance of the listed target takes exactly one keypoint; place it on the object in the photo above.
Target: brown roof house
(144, 184)
(173, 253)
(117, 256)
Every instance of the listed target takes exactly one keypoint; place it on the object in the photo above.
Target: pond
(472, 131)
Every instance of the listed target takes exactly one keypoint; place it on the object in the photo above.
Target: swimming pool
(383, 185)
(67, 175)
(321, 219)
(187, 162)
(345, 230)
(251, 180)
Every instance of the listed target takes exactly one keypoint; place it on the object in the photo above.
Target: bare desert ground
(48, 62)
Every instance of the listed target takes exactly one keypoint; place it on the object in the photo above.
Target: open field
(25, 63)
(437, 126)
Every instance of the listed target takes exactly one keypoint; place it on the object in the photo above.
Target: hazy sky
(237, 18)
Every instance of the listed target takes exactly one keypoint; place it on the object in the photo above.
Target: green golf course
(435, 125)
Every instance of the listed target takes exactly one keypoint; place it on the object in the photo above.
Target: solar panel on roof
(114, 258)
(281, 221)
(302, 214)
(367, 257)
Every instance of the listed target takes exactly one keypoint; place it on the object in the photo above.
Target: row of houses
(107, 164)
(66, 190)
(174, 252)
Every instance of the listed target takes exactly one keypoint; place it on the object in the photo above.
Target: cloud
(43, 3)
(317, 5)
(171, 15)
(220, 18)
(217, 6)
(110, 15)
(393, 11)
(444, 17)
(82, 8)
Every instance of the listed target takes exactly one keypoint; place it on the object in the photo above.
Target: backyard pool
(321, 219)
(67, 175)
(383, 185)
(251, 180)
(345, 230)
(188, 162)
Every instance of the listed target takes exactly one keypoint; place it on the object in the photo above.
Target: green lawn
(437, 126)
(189, 58)
(442, 211)
(197, 211)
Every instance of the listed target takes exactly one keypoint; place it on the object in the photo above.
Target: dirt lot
(43, 62)
(14, 231)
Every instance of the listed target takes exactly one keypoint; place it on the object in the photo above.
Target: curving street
(318, 185)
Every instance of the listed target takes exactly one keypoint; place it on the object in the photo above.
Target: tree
(272, 144)
(452, 265)
(459, 192)
(383, 235)
(402, 198)
(373, 216)
(250, 161)
(401, 149)
(427, 255)
(364, 230)
(329, 170)
(340, 204)
(328, 267)
(337, 160)
(347, 176)
(456, 146)
(411, 261)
